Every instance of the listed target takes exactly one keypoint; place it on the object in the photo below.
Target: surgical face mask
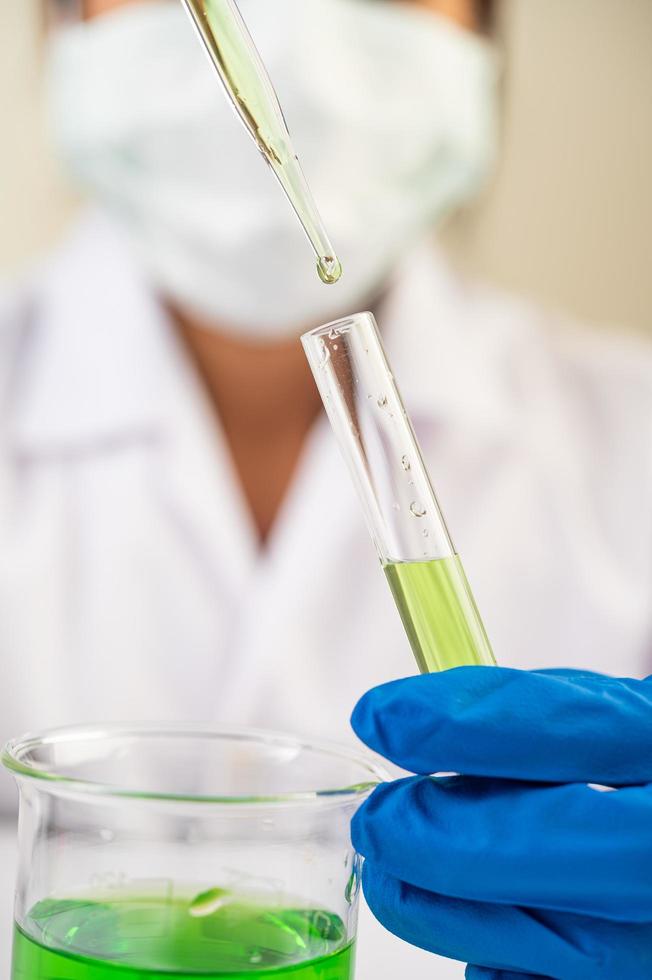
(391, 109)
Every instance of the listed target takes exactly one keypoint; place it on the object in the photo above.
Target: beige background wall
(569, 217)
(32, 202)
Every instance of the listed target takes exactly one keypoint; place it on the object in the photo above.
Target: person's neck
(266, 401)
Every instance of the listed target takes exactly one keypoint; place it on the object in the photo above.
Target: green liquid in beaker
(439, 614)
(153, 939)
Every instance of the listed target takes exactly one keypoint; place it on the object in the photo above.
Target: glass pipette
(233, 53)
(375, 435)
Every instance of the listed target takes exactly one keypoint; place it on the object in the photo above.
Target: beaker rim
(17, 753)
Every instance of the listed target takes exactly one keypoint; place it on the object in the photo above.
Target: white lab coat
(130, 581)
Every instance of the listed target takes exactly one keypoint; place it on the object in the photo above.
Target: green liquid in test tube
(247, 84)
(424, 572)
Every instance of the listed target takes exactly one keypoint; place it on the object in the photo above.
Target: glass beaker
(182, 851)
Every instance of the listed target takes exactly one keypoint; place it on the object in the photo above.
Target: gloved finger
(565, 847)
(506, 938)
(480, 973)
(552, 726)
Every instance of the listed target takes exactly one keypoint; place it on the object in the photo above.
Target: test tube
(378, 442)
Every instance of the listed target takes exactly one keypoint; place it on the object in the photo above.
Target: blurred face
(462, 11)
(143, 129)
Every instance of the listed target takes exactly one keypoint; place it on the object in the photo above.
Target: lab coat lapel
(199, 487)
(93, 350)
(104, 366)
(280, 637)
(448, 365)
(104, 389)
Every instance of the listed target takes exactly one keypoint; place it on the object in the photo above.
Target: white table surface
(380, 955)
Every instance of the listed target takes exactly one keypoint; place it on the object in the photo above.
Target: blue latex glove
(518, 866)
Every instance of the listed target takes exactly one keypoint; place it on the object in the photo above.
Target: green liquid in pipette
(152, 939)
(249, 87)
(439, 614)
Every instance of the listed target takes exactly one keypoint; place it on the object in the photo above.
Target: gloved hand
(517, 866)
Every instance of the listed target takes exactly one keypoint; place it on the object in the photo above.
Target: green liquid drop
(329, 269)
(439, 614)
(136, 938)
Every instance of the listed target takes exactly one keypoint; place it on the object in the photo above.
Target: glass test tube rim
(16, 750)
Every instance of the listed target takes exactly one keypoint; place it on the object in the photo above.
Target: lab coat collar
(96, 349)
(446, 360)
(100, 351)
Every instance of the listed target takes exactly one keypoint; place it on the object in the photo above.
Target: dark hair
(486, 13)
